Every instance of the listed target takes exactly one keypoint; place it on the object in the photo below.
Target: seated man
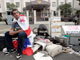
(17, 31)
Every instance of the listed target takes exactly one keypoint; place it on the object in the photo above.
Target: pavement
(12, 56)
(62, 56)
(4, 27)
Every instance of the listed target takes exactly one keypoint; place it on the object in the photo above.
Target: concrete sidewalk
(12, 56)
(4, 27)
(62, 56)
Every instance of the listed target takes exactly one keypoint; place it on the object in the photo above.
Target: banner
(71, 29)
(55, 26)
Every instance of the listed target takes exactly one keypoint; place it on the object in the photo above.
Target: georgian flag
(24, 24)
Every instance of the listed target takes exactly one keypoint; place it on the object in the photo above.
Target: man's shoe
(6, 53)
(18, 56)
(12, 50)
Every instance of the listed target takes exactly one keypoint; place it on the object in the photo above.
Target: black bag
(53, 40)
(2, 43)
(42, 27)
(42, 30)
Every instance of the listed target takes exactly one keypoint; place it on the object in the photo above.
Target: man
(76, 20)
(17, 30)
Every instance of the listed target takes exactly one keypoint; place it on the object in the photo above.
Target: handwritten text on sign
(71, 29)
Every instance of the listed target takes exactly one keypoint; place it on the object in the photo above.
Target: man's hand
(12, 32)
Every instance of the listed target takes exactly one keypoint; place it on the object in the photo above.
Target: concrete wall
(76, 5)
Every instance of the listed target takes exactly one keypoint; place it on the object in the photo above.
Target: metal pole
(73, 7)
(79, 13)
(57, 6)
(65, 1)
(73, 3)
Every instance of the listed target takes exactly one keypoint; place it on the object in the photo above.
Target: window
(17, 4)
(61, 13)
(7, 4)
(8, 13)
(0, 5)
(54, 13)
(53, 4)
(61, 3)
(70, 3)
(27, 3)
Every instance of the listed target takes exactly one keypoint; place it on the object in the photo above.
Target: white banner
(71, 29)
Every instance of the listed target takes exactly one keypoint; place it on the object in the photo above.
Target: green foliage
(78, 12)
(66, 9)
(11, 6)
(0, 18)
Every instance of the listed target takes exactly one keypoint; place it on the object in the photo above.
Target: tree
(65, 9)
(11, 6)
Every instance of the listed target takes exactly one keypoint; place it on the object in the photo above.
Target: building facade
(37, 10)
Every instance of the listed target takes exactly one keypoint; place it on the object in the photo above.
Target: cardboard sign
(71, 29)
(55, 26)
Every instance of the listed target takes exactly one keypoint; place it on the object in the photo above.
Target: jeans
(21, 38)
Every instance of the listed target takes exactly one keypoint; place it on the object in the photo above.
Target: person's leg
(8, 41)
(21, 39)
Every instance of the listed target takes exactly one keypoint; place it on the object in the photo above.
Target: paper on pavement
(41, 56)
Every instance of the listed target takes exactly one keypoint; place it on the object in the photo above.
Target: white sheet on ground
(42, 56)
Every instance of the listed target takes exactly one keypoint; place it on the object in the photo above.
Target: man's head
(15, 13)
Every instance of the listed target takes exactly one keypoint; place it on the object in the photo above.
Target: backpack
(42, 30)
